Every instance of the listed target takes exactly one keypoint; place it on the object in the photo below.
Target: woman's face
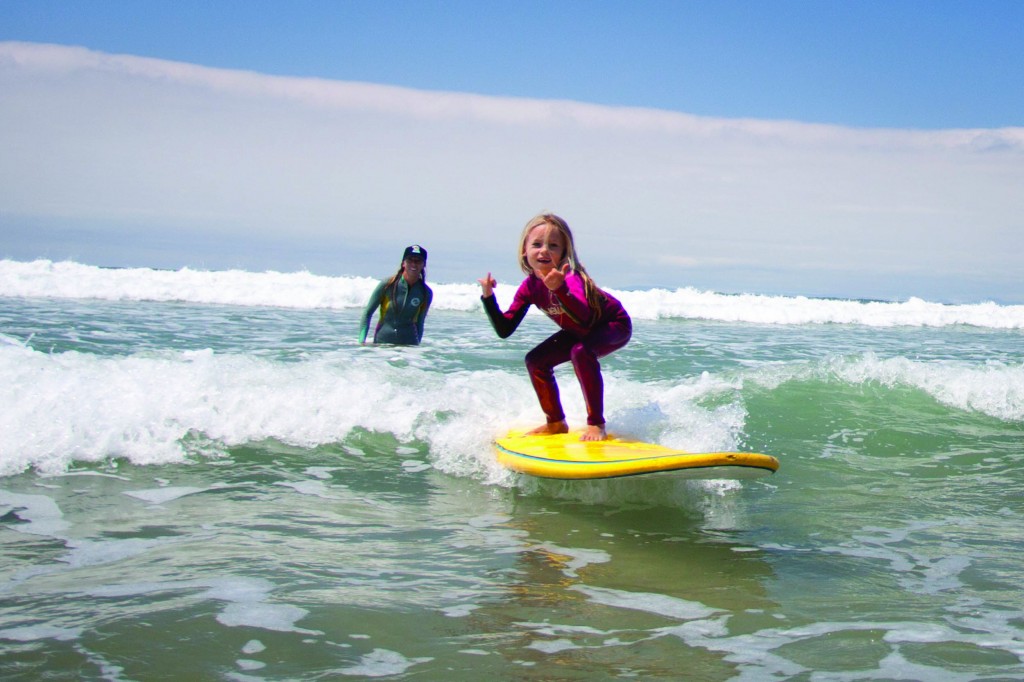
(544, 249)
(413, 268)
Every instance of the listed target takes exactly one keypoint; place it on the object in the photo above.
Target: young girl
(403, 300)
(593, 323)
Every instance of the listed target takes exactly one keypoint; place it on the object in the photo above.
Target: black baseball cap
(415, 251)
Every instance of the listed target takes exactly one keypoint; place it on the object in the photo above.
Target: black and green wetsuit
(403, 309)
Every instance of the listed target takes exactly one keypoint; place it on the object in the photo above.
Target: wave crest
(47, 279)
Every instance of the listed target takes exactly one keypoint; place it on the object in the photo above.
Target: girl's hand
(487, 284)
(555, 279)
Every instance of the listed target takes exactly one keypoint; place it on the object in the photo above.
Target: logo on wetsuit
(555, 308)
(414, 301)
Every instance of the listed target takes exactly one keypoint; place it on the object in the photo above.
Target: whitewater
(47, 279)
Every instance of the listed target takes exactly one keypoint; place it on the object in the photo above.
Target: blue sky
(861, 149)
(900, 63)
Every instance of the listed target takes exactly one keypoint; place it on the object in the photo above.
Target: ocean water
(204, 476)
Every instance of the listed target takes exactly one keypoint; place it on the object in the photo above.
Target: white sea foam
(664, 605)
(994, 389)
(154, 408)
(163, 495)
(763, 653)
(34, 633)
(382, 663)
(47, 279)
(160, 408)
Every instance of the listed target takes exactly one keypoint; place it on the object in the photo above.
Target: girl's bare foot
(549, 429)
(594, 433)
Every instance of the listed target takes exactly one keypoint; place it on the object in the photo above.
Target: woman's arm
(429, 298)
(371, 307)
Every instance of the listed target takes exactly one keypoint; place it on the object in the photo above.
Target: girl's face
(544, 249)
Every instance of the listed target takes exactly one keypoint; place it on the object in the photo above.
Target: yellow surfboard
(565, 456)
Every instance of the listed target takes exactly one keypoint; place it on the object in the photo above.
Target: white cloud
(94, 137)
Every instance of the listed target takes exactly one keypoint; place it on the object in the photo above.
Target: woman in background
(403, 301)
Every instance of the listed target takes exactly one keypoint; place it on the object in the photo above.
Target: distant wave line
(303, 290)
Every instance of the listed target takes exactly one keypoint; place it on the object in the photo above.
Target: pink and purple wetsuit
(582, 339)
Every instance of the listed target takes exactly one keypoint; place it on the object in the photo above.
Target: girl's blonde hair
(593, 292)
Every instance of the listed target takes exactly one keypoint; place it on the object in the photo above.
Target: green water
(349, 521)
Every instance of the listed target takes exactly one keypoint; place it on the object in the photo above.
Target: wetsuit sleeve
(429, 297)
(506, 323)
(371, 307)
(573, 299)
